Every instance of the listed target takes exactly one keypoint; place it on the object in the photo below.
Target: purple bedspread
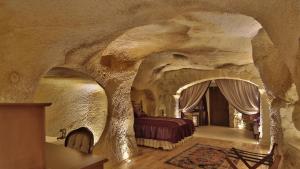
(161, 128)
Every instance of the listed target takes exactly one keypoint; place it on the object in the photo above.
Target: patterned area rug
(201, 157)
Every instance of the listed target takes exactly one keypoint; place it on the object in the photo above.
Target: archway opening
(77, 101)
(234, 105)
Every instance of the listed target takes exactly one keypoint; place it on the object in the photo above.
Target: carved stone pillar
(265, 119)
(231, 116)
(118, 140)
(176, 99)
(275, 126)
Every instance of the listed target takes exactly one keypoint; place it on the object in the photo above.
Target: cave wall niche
(145, 98)
(77, 101)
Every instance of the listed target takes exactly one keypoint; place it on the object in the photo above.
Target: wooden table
(60, 157)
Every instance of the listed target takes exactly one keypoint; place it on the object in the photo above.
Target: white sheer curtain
(242, 95)
(191, 96)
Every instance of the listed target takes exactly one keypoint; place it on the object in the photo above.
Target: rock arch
(77, 101)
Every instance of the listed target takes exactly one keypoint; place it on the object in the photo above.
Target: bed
(161, 132)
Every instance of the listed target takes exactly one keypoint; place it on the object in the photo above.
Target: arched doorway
(77, 101)
(226, 103)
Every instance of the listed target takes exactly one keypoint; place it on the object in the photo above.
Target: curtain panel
(242, 95)
(191, 96)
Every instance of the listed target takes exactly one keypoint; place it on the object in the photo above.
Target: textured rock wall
(117, 141)
(76, 102)
(146, 97)
(291, 136)
(282, 95)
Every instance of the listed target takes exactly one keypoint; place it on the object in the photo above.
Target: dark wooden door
(219, 108)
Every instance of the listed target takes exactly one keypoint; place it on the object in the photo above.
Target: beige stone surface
(108, 39)
(76, 102)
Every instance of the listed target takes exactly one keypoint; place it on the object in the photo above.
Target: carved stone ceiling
(199, 40)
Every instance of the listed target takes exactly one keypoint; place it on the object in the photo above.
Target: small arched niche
(77, 101)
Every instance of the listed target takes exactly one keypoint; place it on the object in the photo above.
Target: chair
(81, 139)
(272, 159)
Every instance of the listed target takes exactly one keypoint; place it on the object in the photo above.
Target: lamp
(177, 112)
(195, 118)
(162, 109)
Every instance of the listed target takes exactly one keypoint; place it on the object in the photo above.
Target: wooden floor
(155, 159)
(225, 133)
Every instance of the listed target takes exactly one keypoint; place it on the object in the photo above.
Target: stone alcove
(77, 101)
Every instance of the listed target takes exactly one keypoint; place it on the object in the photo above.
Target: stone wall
(231, 116)
(76, 102)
